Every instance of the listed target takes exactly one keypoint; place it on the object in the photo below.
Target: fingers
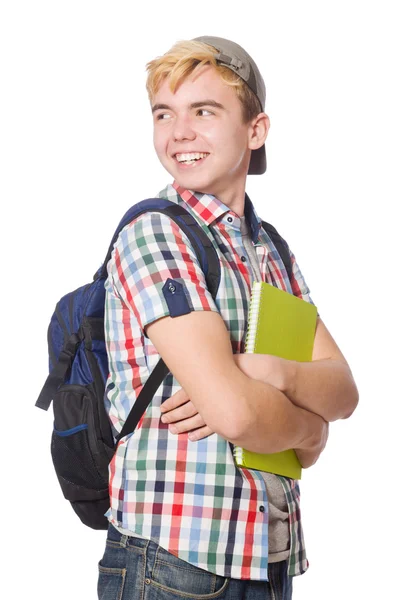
(176, 400)
(187, 424)
(183, 417)
(199, 434)
(195, 434)
(185, 411)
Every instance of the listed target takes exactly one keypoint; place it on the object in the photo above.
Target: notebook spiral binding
(253, 317)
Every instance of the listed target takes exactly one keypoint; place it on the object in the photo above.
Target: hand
(309, 456)
(183, 417)
(267, 368)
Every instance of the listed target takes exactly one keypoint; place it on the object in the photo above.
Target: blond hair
(187, 56)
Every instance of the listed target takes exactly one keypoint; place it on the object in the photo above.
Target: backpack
(82, 442)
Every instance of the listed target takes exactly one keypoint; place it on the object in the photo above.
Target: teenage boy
(184, 521)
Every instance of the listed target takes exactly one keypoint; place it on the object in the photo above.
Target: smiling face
(200, 137)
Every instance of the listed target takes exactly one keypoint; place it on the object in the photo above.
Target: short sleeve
(155, 271)
(298, 283)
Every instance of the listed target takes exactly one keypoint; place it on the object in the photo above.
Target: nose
(183, 129)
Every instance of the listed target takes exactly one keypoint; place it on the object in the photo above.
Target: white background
(76, 152)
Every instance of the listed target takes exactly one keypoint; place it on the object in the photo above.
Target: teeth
(190, 157)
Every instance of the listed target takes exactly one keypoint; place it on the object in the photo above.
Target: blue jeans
(136, 569)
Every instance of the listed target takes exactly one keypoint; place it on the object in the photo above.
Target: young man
(184, 521)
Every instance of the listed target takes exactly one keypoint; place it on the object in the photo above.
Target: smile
(191, 158)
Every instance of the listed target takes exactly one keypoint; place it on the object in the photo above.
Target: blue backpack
(82, 442)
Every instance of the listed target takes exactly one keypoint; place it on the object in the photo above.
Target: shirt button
(230, 219)
(243, 259)
(262, 508)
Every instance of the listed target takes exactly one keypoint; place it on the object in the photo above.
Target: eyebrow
(200, 104)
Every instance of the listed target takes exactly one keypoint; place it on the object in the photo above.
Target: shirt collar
(209, 209)
(205, 206)
(251, 217)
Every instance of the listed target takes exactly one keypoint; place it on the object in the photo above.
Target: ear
(258, 131)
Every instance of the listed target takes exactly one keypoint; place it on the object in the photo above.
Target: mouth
(190, 159)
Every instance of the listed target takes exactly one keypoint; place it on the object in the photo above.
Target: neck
(233, 199)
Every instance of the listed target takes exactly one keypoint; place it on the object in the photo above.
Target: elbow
(235, 426)
(251, 430)
(233, 429)
(347, 401)
(352, 403)
(352, 397)
(343, 409)
(241, 410)
(226, 407)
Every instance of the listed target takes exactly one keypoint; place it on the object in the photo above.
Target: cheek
(156, 143)
(228, 136)
(211, 133)
(159, 142)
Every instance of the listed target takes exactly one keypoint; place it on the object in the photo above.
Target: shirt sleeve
(156, 272)
(298, 283)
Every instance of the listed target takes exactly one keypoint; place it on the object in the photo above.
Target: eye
(162, 116)
(204, 110)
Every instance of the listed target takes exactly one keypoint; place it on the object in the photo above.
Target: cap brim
(258, 162)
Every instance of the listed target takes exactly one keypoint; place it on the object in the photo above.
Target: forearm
(325, 387)
(270, 422)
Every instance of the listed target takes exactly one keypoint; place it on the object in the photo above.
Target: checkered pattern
(189, 497)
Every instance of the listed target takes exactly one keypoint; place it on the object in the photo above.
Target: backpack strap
(209, 262)
(145, 397)
(280, 246)
(202, 245)
(57, 376)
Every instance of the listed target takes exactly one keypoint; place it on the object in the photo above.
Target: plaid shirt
(189, 497)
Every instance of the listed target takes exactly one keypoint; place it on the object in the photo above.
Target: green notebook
(283, 325)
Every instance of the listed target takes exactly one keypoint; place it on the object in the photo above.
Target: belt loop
(123, 541)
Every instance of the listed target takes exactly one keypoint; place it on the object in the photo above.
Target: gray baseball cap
(234, 57)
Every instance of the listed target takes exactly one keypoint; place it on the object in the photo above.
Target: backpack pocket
(80, 458)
